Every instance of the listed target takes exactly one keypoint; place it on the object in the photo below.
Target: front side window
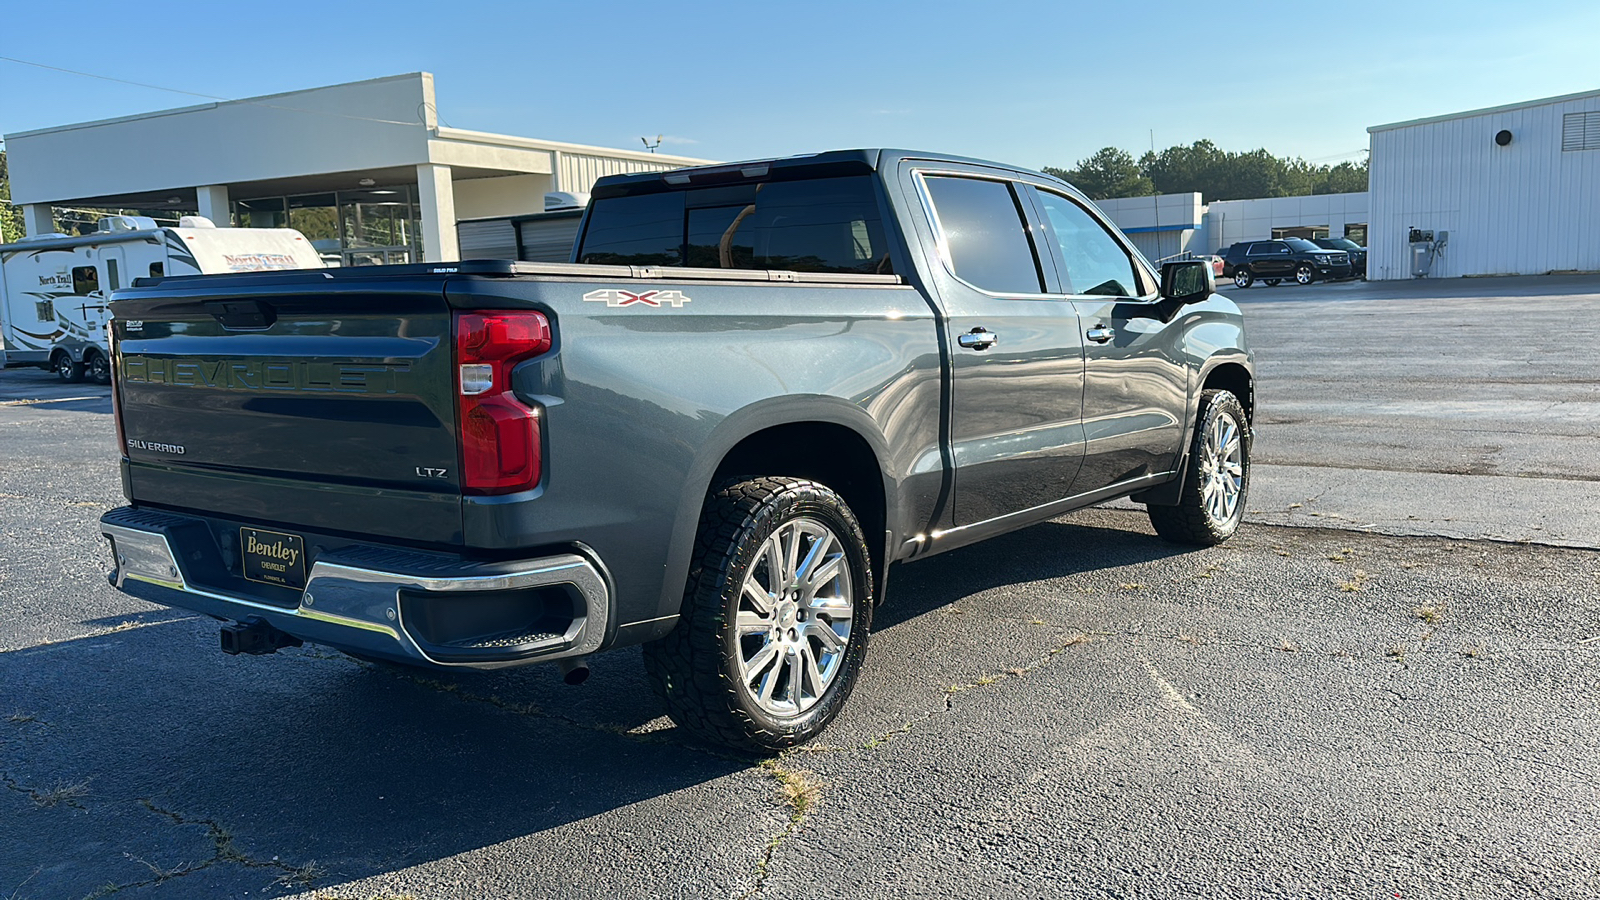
(1096, 263)
(984, 230)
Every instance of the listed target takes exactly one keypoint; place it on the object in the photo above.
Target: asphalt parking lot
(1384, 686)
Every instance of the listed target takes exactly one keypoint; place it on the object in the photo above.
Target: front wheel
(1304, 275)
(775, 616)
(67, 370)
(1242, 277)
(1216, 480)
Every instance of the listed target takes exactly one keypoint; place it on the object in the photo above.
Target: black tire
(1194, 520)
(65, 369)
(697, 669)
(1305, 274)
(97, 368)
(1243, 277)
(1273, 282)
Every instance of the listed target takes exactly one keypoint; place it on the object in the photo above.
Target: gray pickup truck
(756, 388)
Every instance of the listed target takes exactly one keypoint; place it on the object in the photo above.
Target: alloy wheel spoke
(836, 608)
(758, 598)
(813, 677)
(791, 554)
(760, 661)
(752, 623)
(830, 639)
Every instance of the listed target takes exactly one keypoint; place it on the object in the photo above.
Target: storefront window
(264, 213)
(375, 226)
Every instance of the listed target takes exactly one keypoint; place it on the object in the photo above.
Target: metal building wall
(1524, 209)
(580, 171)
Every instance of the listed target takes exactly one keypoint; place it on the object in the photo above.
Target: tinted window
(983, 228)
(815, 225)
(1267, 247)
(644, 230)
(1301, 244)
(1096, 263)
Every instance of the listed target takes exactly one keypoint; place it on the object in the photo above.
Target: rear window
(818, 225)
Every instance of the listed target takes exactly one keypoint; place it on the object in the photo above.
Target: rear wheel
(1242, 277)
(1304, 274)
(1217, 479)
(65, 369)
(98, 369)
(775, 617)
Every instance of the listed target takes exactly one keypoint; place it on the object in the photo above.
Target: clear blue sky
(1033, 83)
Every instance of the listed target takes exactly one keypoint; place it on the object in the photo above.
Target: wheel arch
(825, 439)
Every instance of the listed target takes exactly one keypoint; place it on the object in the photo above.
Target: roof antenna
(649, 146)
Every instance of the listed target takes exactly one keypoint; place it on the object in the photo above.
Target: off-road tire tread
(686, 667)
(1188, 522)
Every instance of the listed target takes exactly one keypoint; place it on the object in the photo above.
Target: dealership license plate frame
(256, 565)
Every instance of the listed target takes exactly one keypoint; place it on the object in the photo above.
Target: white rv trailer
(54, 288)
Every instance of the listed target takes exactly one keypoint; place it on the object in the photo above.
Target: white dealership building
(366, 170)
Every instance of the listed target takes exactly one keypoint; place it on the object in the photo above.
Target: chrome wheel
(794, 618)
(1242, 277)
(1222, 469)
(1303, 274)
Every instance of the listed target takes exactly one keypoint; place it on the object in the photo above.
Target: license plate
(272, 557)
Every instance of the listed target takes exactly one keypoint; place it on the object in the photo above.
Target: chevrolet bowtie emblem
(615, 297)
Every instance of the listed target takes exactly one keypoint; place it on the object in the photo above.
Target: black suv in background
(1358, 253)
(1280, 260)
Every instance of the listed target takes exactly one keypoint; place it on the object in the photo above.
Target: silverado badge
(615, 297)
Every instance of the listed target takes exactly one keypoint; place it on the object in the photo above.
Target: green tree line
(1215, 173)
(10, 216)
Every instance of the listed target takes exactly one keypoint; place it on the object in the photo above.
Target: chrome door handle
(978, 339)
(1100, 334)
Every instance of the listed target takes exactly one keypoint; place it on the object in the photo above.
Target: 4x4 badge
(615, 297)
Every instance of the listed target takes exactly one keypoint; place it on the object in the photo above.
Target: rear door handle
(978, 339)
(1100, 334)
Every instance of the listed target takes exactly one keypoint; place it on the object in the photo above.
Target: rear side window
(815, 225)
(984, 229)
(644, 230)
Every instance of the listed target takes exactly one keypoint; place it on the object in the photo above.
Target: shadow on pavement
(1053, 549)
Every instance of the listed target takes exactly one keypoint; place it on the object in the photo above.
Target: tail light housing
(500, 435)
(116, 389)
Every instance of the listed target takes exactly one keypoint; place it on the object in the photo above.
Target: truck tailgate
(299, 400)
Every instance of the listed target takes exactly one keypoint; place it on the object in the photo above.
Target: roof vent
(196, 222)
(127, 223)
(565, 200)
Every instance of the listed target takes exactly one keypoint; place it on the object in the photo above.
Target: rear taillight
(500, 444)
(116, 391)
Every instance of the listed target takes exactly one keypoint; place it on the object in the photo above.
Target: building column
(38, 218)
(436, 201)
(213, 204)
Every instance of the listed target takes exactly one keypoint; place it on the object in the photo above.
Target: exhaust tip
(574, 671)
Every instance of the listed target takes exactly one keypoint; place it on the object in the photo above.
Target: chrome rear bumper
(349, 603)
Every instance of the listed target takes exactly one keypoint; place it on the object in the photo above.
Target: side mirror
(1189, 281)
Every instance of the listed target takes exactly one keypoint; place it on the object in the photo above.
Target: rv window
(85, 280)
(112, 276)
(156, 270)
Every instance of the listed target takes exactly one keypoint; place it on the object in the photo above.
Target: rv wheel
(98, 368)
(65, 369)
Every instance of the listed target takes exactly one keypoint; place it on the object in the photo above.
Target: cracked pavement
(1078, 709)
